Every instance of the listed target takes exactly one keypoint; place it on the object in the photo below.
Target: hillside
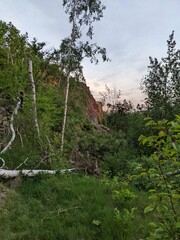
(50, 84)
(122, 167)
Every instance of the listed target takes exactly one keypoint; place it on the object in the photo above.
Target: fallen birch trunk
(9, 174)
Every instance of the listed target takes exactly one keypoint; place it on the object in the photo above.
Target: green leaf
(149, 208)
(143, 174)
(162, 208)
(154, 198)
(147, 119)
(162, 134)
(151, 123)
(152, 224)
(176, 146)
(176, 196)
(177, 225)
(96, 222)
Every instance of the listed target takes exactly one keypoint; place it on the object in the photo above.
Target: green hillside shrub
(164, 175)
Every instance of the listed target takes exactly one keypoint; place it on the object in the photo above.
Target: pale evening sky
(131, 31)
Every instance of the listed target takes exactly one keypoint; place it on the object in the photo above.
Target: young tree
(110, 98)
(31, 78)
(82, 14)
(162, 83)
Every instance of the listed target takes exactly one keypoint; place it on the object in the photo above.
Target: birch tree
(33, 97)
(82, 15)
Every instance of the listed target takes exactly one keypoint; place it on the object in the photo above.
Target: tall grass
(66, 207)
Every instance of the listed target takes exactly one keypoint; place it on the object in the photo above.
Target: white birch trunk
(10, 55)
(73, 38)
(11, 125)
(65, 114)
(8, 174)
(33, 97)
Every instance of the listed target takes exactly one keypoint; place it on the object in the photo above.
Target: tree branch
(18, 105)
(3, 162)
(169, 174)
(21, 164)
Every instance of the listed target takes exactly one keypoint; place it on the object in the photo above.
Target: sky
(131, 31)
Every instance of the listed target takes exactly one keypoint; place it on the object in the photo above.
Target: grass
(66, 207)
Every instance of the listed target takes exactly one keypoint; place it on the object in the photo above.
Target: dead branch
(3, 162)
(169, 174)
(11, 125)
(21, 139)
(101, 128)
(21, 164)
(42, 160)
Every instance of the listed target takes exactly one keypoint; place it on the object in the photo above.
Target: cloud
(42, 19)
(131, 30)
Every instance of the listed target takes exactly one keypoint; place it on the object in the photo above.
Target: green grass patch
(69, 207)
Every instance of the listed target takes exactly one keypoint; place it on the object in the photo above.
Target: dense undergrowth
(140, 204)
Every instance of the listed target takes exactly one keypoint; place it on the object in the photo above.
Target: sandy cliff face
(94, 109)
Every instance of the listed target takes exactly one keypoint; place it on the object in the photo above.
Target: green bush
(164, 171)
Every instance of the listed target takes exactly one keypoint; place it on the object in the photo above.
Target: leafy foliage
(164, 171)
(162, 84)
(73, 50)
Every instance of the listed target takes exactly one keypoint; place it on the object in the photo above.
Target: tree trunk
(9, 174)
(33, 98)
(11, 125)
(73, 38)
(65, 114)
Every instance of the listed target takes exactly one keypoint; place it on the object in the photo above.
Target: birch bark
(8, 174)
(81, 15)
(73, 38)
(11, 125)
(33, 97)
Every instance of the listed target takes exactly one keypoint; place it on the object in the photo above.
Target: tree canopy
(162, 83)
